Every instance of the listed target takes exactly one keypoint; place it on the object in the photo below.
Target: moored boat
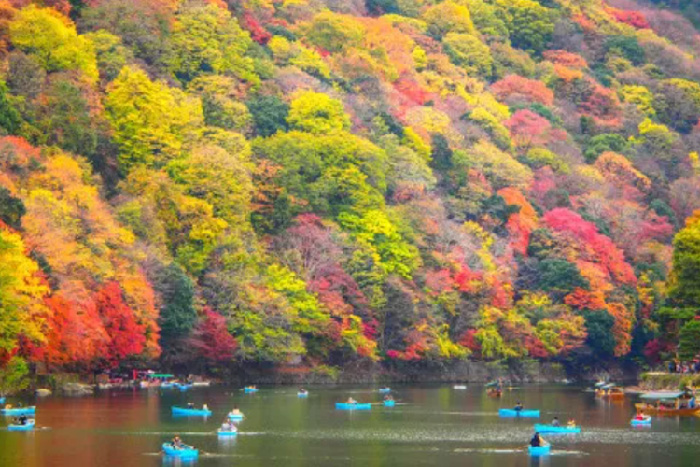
(556, 429)
(518, 413)
(669, 403)
(183, 451)
(28, 426)
(191, 411)
(539, 450)
(610, 391)
(352, 406)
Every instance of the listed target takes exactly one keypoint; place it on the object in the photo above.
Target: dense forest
(311, 183)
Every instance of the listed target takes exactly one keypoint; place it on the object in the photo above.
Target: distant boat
(610, 391)
(352, 406)
(28, 426)
(539, 450)
(669, 403)
(518, 413)
(191, 411)
(460, 386)
(557, 429)
(18, 410)
(201, 384)
(182, 452)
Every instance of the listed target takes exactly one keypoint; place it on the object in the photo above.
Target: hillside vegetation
(318, 182)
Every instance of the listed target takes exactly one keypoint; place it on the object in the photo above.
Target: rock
(77, 389)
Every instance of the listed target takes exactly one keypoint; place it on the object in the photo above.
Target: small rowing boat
(18, 410)
(518, 413)
(384, 390)
(389, 403)
(557, 429)
(645, 421)
(191, 411)
(183, 451)
(28, 426)
(250, 390)
(352, 406)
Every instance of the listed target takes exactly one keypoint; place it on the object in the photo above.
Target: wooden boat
(539, 450)
(352, 406)
(610, 391)
(193, 412)
(182, 452)
(557, 429)
(29, 426)
(18, 410)
(668, 403)
(518, 413)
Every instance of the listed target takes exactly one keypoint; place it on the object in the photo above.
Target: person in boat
(537, 441)
(228, 426)
(388, 397)
(303, 391)
(235, 411)
(555, 422)
(190, 405)
(205, 407)
(571, 423)
(177, 442)
(640, 415)
(518, 406)
(19, 405)
(23, 420)
(351, 400)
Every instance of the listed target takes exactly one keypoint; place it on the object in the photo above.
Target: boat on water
(27, 426)
(168, 384)
(556, 429)
(384, 390)
(539, 450)
(644, 421)
(183, 387)
(236, 416)
(460, 386)
(18, 410)
(250, 389)
(352, 406)
(389, 403)
(183, 451)
(303, 394)
(2, 400)
(223, 432)
(203, 412)
(669, 403)
(610, 391)
(518, 413)
(201, 384)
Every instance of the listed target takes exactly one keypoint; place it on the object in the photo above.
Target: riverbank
(655, 381)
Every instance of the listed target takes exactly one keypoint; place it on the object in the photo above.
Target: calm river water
(431, 425)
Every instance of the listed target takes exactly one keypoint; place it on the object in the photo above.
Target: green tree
(317, 113)
(684, 282)
(14, 376)
(177, 313)
(689, 340)
(53, 40)
(530, 25)
(470, 53)
(269, 114)
(448, 17)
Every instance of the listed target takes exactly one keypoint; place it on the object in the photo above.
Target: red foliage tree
(126, 335)
(212, 338)
(633, 18)
(515, 88)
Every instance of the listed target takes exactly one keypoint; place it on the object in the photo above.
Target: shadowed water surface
(430, 425)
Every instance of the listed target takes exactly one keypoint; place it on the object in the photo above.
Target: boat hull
(250, 390)
(645, 422)
(556, 429)
(650, 409)
(28, 427)
(19, 411)
(389, 403)
(539, 451)
(519, 413)
(191, 412)
(187, 452)
(226, 434)
(356, 406)
(236, 416)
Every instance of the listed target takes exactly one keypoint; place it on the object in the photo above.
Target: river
(430, 425)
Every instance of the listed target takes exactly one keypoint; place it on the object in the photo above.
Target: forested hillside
(317, 182)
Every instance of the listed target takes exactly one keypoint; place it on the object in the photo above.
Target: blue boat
(2, 400)
(352, 406)
(193, 412)
(385, 390)
(183, 452)
(518, 413)
(29, 426)
(556, 429)
(226, 433)
(236, 416)
(539, 450)
(389, 403)
(167, 385)
(183, 387)
(303, 394)
(250, 390)
(19, 411)
(646, 421)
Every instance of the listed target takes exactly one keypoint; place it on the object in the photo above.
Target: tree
(677, 103)
(126, 335)
(600, 338)
(689, 340)
(177, 313)
(530, 25)
(684, 283)
(11, 208)
(53, 40)
(14, 376)
(317, 113)
(470, 53)
(269, 114)
(212, 339)
(334, 32)
(448, 17)
(206, 39)
(150, 121)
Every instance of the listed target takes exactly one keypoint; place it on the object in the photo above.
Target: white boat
(460, 386)
(201, 384)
